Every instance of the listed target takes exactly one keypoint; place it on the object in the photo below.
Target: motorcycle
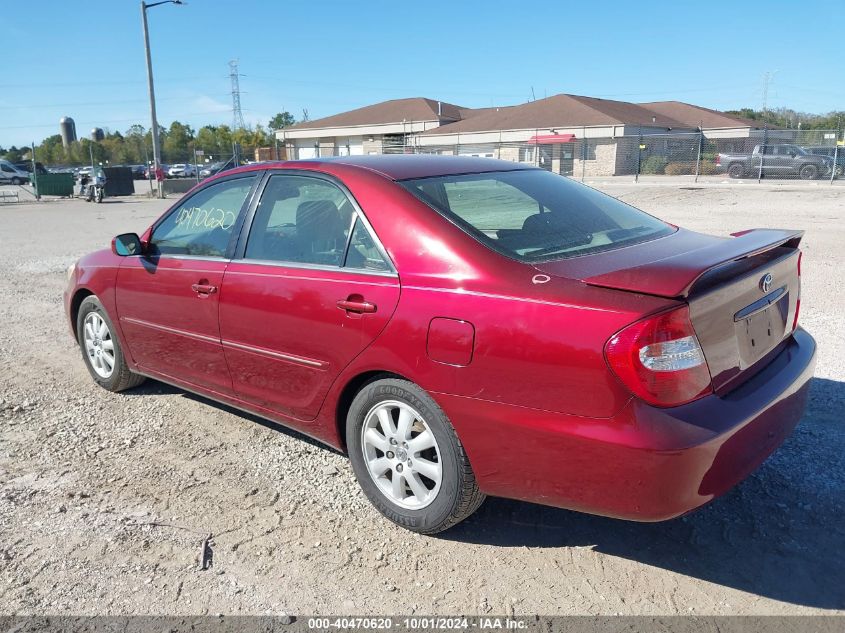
(93, 187)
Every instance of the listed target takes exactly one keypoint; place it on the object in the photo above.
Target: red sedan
(463, 327)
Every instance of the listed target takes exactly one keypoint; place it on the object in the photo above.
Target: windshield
(534, 215)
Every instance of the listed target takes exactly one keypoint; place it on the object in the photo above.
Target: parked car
(778, 160)
(138, 172)
(837, 155)
(215, 168)
(463, 327)
(12, 175)
(182, 170)
(26, 165)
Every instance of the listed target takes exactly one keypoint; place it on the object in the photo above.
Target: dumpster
(53, 184)
(119, 181)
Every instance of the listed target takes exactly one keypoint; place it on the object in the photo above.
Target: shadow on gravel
(779, 534)
(154, 387)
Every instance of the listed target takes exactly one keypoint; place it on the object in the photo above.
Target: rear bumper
(645, 464)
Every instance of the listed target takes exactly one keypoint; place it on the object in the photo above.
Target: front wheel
(408, 458)
(98, 195)
(100, 348)
(16, 181)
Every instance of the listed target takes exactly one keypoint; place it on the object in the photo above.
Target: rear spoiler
(676, 275)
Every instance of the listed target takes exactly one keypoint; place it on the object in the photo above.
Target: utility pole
(767, 78)
(154, 120)
(35, 173)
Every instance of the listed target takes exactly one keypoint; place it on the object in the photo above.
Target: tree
(51, 151)
(281, 121)
(13, 154)
(175, 143)
(789, 118)
(252, 137)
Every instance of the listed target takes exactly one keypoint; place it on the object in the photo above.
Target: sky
(85, 58)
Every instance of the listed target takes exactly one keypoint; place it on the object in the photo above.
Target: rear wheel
(101, 349)
(408, 459)
(736, 171)
(809, 172)
(16, 181)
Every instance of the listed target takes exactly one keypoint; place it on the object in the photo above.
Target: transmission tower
(767, 79)
(237, 115)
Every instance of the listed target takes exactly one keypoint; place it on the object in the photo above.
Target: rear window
(535, 215)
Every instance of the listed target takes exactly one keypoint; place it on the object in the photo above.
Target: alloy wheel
(99, 345)
(401, 454)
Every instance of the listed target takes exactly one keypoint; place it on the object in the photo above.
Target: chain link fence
(761, 154)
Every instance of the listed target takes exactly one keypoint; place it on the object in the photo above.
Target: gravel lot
(105, 499)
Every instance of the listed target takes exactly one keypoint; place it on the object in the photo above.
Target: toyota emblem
(766, 282)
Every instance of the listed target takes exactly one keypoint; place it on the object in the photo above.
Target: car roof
(401, 166)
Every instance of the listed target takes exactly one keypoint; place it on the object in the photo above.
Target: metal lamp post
(154, 130)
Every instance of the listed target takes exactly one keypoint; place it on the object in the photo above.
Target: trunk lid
(742, 291)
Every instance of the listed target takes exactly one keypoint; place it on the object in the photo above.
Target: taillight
(798, 300)
(660, 359)
(718, 159)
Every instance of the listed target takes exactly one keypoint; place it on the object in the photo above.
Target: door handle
(204, 289)
(358, 306)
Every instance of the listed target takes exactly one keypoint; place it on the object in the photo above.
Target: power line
(85, 104)
(101, 123)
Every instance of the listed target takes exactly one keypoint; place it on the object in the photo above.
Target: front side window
(203, 224)
(301, 220)
(534, 215)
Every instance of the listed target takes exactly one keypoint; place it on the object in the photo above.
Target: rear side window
(534, 215)
(302, 220)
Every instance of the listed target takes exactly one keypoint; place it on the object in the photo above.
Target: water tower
(67, 128)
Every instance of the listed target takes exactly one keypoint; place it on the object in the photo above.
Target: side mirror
(126, 244)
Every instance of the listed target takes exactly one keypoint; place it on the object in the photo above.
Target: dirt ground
(105, 499)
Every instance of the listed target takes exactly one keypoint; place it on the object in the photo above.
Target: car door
(784, 159)
(168, 298)
(311, 287)
(6, 172)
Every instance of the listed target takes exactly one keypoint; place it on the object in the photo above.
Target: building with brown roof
(366, 130)
(544, 131)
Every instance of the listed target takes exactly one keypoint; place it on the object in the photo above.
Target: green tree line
(793, 119)
(134, 146)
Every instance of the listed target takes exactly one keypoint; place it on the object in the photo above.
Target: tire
(445, 503)
(98, 195)
(119, 378)
(16, 181)
(809, 172)
(736, 170)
